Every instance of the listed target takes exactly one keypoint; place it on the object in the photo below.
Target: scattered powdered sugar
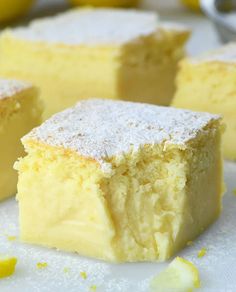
(92, 26)
(225, 54)
(99, 128)
(10, 87)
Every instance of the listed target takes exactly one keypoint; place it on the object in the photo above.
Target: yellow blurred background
(13, 9)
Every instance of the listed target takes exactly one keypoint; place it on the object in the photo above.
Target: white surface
(217, 268)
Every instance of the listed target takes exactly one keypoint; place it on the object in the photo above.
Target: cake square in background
(114, 53)
(208, 83)
(20, 111)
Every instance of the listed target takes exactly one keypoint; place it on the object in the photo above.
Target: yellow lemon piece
(11, 237)
(192, 4)
(93, 288)
(11, 9)
(83, 275)
(66, 270)
(202, 252)
(41, 266)
(7, 266)
(109, 3)
(180, 276)
(234, 192)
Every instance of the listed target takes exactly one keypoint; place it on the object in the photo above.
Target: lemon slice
(180, 276)
(7, 266)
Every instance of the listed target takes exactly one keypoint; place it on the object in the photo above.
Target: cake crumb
(42, 265)
(84, 275)
(180, 275)
(11, 237)
(190, 243)
(66, 270)
(202, 252)
(93, 288)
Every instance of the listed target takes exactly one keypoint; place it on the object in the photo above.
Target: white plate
(217, 268)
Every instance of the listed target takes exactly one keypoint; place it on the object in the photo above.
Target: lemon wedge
(180, 276)
(7, 266)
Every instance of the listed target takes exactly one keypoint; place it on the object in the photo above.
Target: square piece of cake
(20, 111)
(208, 83)
(120, 181)
(118, 54)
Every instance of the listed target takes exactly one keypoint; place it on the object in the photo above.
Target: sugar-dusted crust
(224, 54)
(9, 87)
(94, 27)
(99, 129)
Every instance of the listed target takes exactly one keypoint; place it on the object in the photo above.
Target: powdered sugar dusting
(100, 128)
(225, 54)
(92, 27)
(11, 87)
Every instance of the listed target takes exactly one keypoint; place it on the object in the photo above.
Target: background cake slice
(112, 53)
(120, 181)
(208, 83)
(20, 111)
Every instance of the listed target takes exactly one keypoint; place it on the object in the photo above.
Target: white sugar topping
(99, 128)
(92, 26)
(225, 54)
(10, 87)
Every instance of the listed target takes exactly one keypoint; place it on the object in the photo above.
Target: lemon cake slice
(208, 83)
(20, 111)
(120, 181)
(95, 52)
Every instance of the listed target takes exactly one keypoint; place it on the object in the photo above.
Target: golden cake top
(99, 128)
(224, 54)
(93, 27)
(11, 87)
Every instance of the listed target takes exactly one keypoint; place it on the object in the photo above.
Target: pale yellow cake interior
(18, 115)
(154, 201)
(210, 87)
(140, 70)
